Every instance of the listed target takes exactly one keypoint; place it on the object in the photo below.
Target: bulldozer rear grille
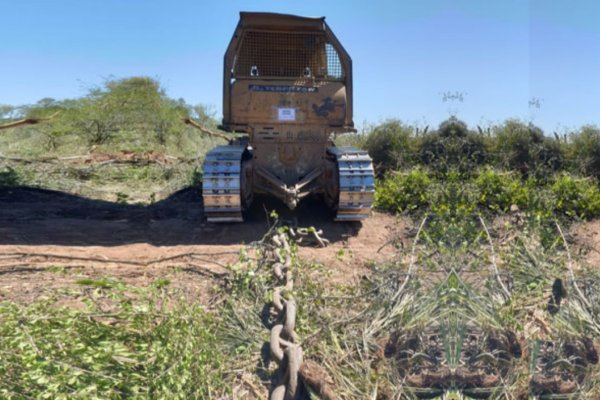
(287, 55)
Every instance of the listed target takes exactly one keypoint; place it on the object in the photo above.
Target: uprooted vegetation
(499, 312)
(124, 342)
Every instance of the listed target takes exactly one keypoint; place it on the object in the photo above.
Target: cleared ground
(51, 240)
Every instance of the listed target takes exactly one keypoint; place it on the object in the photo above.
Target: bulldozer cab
(284, 71)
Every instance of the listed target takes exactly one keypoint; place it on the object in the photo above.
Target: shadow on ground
(31, 216)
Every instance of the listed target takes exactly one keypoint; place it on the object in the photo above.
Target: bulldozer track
(221, 186)
(356, 183)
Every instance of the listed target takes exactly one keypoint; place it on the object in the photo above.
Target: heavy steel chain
(284, 346)
(294, 373)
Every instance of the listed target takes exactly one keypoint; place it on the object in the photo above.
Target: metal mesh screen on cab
(293, 55)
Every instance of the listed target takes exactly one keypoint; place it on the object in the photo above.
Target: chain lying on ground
(309, 236)
(284, 344)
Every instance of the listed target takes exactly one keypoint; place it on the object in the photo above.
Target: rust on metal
(287, 84)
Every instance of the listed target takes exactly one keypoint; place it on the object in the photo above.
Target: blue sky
(499, 55)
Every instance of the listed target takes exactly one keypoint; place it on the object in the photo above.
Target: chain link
(284, 346)
(295, 375)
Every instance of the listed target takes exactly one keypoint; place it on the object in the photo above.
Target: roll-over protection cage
(269, 46)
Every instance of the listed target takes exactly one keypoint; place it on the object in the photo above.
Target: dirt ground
(50, 240)
(587, 239)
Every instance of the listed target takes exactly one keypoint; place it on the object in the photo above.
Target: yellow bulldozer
(287, 85)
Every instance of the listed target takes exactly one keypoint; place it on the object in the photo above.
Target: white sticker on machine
(286, 114)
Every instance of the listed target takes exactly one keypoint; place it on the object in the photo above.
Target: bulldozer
(287, 87)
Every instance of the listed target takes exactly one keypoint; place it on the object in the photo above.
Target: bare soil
(51, 240)
(586, 237)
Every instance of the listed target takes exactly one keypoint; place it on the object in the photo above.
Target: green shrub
(391, 145)
(59, 124)
(585, 151)
(455, 195)
(524, 148)
(404, 192)
(453, 147)
(496, 191)
(576, 197)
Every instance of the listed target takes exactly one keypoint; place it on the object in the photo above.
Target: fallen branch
(203, 129)
(197, 256)
(203, 270)
(27, 121)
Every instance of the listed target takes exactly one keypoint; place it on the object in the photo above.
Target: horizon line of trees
(513, 145)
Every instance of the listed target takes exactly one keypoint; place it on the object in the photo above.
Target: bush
(525, 149)
(585, 151)
(576, 197)
(9, 177)
(59, 123)
(455, 195)
(404, 192)
(496, 191)
(453, 147)
(391, 145)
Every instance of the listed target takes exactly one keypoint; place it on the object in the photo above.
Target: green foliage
(490, 191)
(454, 179)
(196, 177)
(96, 121)
(401, 192)
(122, 118)
(61, 115)
(132, 103)
(122, 198)
(576, 197)
(137, 350)
(452, 146)
(132, 114)
(585, 151)
(5, 111)
(513, 145)
(391, 145)
(524, 148)
(204, 114)
(497, 192)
